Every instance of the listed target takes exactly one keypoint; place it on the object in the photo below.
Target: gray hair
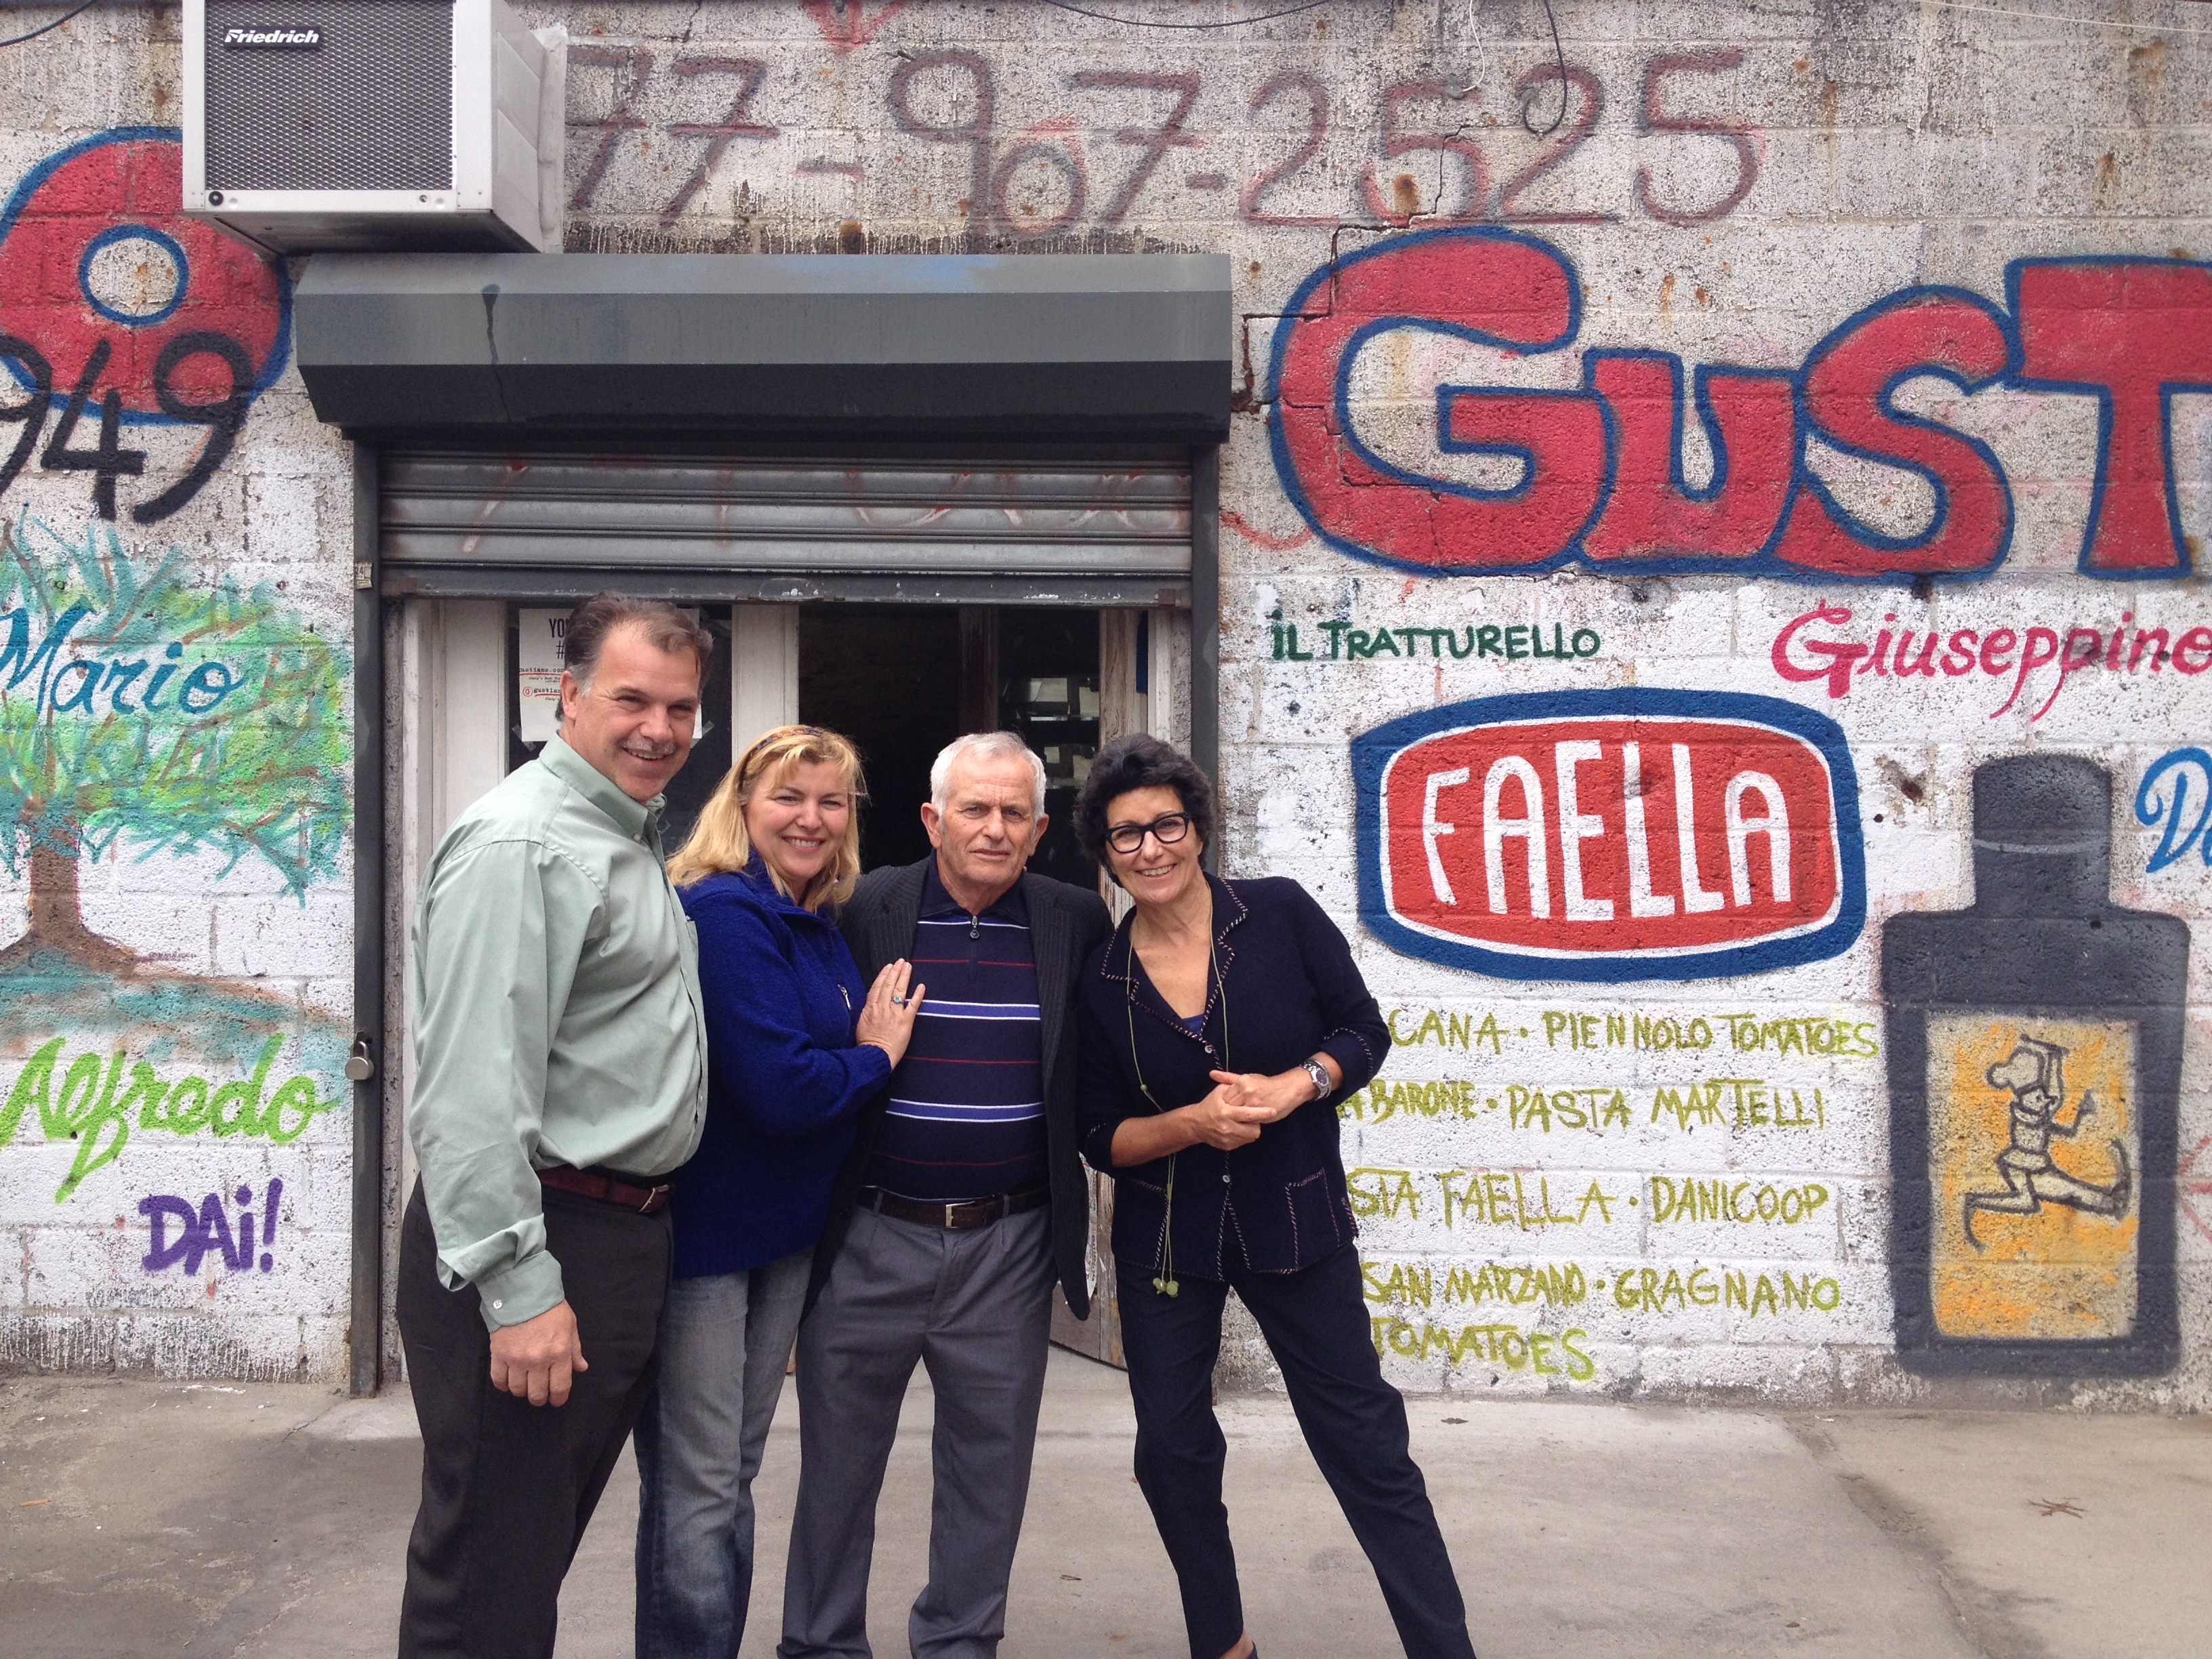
(983, 745)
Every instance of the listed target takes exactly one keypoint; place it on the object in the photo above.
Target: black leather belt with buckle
(975, 1213)
(611, 1189)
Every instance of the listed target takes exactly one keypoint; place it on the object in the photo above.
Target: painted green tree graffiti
(143, 706)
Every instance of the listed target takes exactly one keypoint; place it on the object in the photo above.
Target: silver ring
(898, 1002)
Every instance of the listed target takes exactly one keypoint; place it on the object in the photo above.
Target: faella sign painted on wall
(1610, 835)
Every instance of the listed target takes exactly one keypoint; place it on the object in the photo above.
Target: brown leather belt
(612, 1188)
(975, 1213)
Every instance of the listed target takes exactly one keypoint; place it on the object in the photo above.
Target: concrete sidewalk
(140, 1518)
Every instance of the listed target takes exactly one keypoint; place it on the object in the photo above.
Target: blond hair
(719, 843)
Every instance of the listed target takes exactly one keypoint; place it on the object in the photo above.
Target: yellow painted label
(2034, 1154)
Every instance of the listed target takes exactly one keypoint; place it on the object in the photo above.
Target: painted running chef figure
(2035, 1074)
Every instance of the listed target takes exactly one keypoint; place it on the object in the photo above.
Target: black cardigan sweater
(1287, 989)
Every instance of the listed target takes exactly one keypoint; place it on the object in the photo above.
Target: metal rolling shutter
(1073, 532)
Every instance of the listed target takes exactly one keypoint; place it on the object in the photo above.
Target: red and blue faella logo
(1610, 835)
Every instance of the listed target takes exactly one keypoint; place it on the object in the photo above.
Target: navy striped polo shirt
(967, 1104)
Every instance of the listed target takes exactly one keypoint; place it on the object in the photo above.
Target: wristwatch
(1319, 1073)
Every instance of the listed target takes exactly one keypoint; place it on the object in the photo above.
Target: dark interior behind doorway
(888, 676)
(1048, 692)
(902, 681)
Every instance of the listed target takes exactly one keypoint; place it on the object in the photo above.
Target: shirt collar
(936, 902)
(639, 820)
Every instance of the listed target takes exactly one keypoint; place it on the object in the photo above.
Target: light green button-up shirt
(557, 1018)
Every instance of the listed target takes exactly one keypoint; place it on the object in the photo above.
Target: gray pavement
(146, 1517)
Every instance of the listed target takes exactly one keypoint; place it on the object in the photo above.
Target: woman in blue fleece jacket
(794, 1044)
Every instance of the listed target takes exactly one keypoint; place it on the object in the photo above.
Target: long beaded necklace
(1163, 1282)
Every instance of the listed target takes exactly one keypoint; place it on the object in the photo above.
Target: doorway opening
(902, 681)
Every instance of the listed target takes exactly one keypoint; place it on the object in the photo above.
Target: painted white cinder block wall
(1842, 156)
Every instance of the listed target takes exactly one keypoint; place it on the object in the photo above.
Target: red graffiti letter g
(1480, 285)
(1841, 656)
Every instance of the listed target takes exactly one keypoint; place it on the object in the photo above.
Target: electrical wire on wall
(1220, 23)
(43, 28)
(1528, 100)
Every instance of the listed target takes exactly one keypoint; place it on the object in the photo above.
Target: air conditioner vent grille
(370, 108)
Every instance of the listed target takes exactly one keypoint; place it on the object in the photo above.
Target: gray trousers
(974, 1308)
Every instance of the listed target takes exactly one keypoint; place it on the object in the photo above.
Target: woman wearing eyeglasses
(795, 1043)
(1221, 1023)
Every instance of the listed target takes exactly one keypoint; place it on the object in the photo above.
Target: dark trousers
(508, 1486)
(1315, 1324)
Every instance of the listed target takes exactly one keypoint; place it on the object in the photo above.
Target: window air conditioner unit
(362, 125)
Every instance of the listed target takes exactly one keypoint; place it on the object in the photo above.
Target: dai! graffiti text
(206, 1228)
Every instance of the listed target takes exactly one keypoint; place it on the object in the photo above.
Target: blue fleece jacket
(784, 1080)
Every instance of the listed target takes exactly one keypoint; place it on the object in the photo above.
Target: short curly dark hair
(1140, 761)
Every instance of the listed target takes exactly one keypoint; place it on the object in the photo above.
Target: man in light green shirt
(560, 1076)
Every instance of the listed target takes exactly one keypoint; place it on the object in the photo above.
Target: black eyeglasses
(1167, 829)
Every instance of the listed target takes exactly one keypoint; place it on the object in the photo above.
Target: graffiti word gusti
(98, 1099)
(90, 686)
(1601, 472)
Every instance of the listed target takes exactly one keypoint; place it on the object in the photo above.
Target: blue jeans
(724, 1345)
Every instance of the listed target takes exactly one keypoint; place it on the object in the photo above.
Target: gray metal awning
(909, 347)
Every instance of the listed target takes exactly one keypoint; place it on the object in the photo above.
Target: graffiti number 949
(106, 459)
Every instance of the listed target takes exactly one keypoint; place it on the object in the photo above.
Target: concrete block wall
(1826, 203)
(1730, 184)
(175, 875)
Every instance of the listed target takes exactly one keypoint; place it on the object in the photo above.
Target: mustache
(658, 751)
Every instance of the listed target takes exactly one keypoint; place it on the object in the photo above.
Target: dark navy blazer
(1287, 988)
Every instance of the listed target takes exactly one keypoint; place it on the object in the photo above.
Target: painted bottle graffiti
(2034, 1064)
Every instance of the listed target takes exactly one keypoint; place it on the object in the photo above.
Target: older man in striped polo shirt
(963, 1203)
